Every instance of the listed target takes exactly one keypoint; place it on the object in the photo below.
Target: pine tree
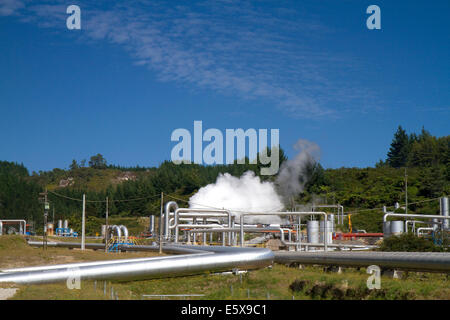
(398, 152)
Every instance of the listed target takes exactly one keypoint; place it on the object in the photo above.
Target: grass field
(279, 282)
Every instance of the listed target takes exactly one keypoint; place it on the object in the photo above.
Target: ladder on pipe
(115, 242)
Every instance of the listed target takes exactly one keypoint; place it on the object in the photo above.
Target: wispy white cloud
(10, 7)
(232, 47)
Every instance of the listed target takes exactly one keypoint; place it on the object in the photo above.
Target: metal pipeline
(118, 230)
(286, 213)
(207, 259)
(418, 221)
(200, 213)
(407, 215)
(1, 228)
(424, 261)
(20, 221)
(169, 205)
(124, 231)
(419, 230)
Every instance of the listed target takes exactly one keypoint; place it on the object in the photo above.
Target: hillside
(135, 191)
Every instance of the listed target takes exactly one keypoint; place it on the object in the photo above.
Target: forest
(135, 191)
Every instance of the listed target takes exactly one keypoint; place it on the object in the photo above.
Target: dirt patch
(6, 293)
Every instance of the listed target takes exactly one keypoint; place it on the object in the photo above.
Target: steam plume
(295, 173)
(247, 193)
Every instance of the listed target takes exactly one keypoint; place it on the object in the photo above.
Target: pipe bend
(124, 231)
(117, 229)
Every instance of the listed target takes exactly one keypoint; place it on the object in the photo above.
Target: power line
(428, 200)
(103, 201)
(217, 208)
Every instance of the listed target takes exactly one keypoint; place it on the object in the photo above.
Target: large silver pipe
(83, 264)
(1, 228)
(218, 259)
(424, 261)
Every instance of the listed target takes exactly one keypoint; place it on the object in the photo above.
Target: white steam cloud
(247, 193)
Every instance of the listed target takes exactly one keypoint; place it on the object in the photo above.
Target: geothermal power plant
(210, 240)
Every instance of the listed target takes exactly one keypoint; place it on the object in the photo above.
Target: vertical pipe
(241, 238)
(204, 233)
(106, 227)
(444, 203)
(160, 223)
(325, 238)
(229, 226)
(194, 221)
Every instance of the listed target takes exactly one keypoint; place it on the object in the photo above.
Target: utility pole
(160, 223)
(406, 192)
(83, 223)
(106, 227)
(46, 208)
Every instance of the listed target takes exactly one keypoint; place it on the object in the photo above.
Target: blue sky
(137, 70)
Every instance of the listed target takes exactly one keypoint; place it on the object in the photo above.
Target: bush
(410, 243)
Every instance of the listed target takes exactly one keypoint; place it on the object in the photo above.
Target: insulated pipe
(443, 203)
(217, 259)
(124, 231)
(20, 221)
(169, 205)
(286, 213)
(117, 228)
(152, 224)
(200, 213)
(418, 221)
(407, 215)
(1, 228)
(421, 261)
(423, 229)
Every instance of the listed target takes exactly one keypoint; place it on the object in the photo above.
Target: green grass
(271, 283)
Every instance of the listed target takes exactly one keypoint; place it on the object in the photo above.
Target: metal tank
(60, 224)
(397, 227)
(329, 231)
(312, 229)
(50, 229)
(445, 212)
(66, 224)
(386, 229)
